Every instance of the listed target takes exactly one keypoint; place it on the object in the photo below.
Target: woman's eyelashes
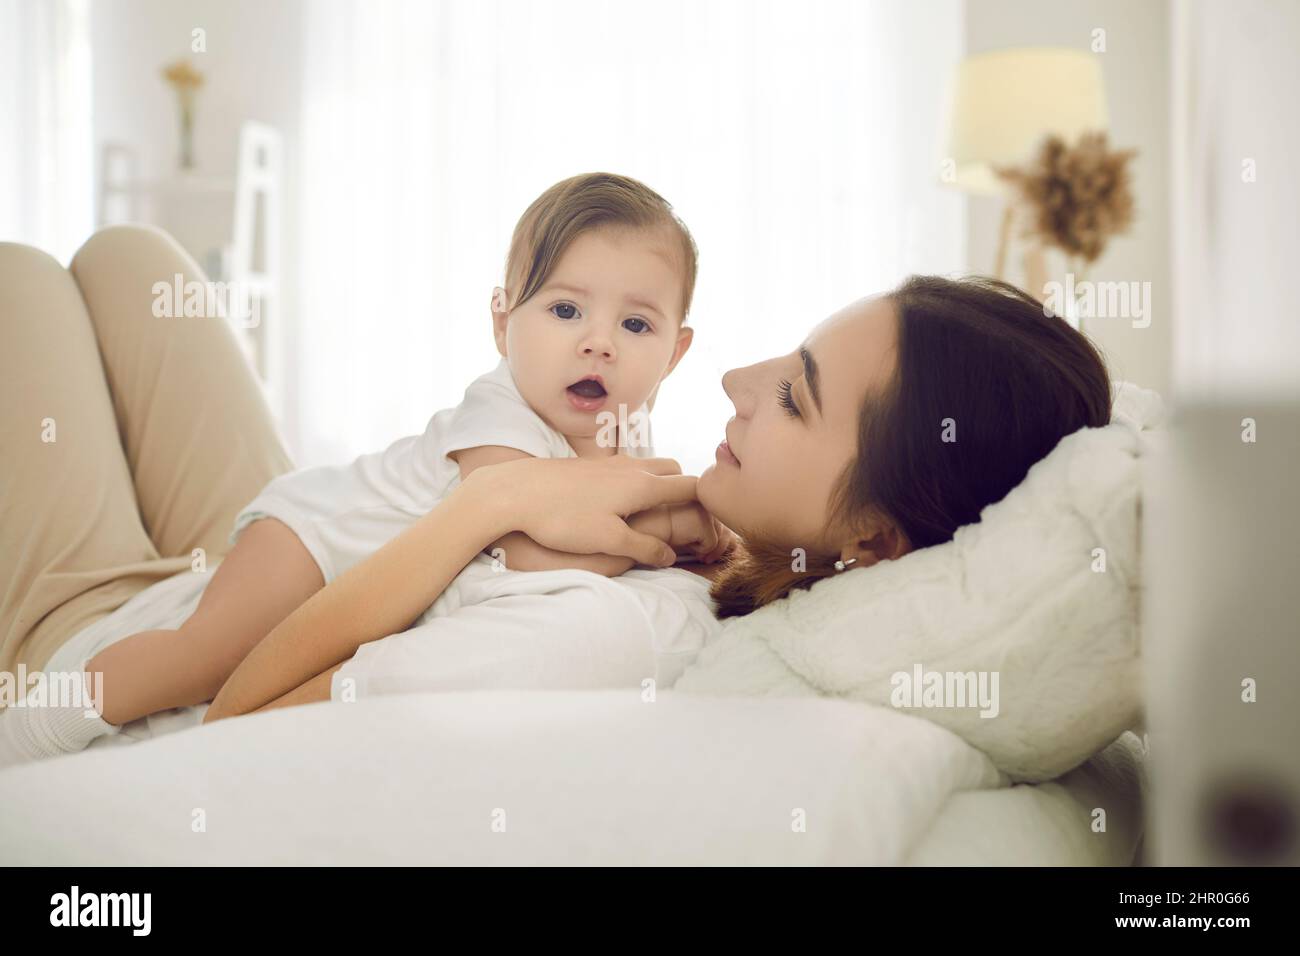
(786, 398)
(567, 311)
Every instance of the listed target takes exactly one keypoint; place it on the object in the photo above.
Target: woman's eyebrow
(810, 376)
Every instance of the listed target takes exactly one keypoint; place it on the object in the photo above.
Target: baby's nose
(598, 346)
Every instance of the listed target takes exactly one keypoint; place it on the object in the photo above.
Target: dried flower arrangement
(185, 80)
(1077, 197)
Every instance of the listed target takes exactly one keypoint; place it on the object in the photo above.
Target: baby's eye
(636, 324)
(564, 310)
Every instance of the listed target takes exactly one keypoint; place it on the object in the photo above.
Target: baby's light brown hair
(578, 205)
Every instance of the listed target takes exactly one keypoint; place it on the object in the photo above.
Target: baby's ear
(685, 335)
(500, 313)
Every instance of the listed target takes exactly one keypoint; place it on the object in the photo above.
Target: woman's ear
(500, 313)
(880, 540)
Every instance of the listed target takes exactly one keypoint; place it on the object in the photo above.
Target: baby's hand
(697, 534)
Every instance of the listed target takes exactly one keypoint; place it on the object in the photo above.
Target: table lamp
(1004, 103)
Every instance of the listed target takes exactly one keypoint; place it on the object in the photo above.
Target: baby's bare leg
(267, 575)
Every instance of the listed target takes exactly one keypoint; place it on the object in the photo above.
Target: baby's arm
(518, 552)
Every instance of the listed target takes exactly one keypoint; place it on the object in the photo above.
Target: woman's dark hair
(986, 384)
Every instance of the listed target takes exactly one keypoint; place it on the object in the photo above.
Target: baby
(599, 279)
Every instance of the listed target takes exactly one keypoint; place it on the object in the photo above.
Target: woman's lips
(725, 456)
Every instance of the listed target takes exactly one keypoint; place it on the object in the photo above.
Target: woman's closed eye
(786, 398)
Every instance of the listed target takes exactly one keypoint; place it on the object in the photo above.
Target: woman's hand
(579, 506)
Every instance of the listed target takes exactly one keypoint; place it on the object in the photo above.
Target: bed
(561, 777)
(782, 743)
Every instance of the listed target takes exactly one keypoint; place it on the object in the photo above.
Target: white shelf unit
(231, 225)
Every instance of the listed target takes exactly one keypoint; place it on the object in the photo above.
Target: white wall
(1136, 67)
(1220, 561)
(1236, 238)
(252, 66)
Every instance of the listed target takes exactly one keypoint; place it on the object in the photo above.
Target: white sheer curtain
(46, 163)
(797, 140)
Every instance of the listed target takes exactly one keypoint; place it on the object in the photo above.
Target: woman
(895, 422)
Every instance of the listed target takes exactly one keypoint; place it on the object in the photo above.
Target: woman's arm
(571, 505)
(308, 692)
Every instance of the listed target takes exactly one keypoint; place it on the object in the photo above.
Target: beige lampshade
(1004, 103)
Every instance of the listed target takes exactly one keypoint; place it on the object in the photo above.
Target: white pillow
(1020, 594)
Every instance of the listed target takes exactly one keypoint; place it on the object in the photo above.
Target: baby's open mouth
(588, 388)
(587, 394)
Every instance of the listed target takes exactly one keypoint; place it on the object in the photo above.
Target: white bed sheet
(549, 777)
(1047, 824)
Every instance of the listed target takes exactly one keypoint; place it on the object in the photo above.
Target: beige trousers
(126, 440)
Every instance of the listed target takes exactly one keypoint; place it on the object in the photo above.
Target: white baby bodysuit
(345, 513)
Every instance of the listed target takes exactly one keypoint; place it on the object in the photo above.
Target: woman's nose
(729, 384)
(738, 384)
